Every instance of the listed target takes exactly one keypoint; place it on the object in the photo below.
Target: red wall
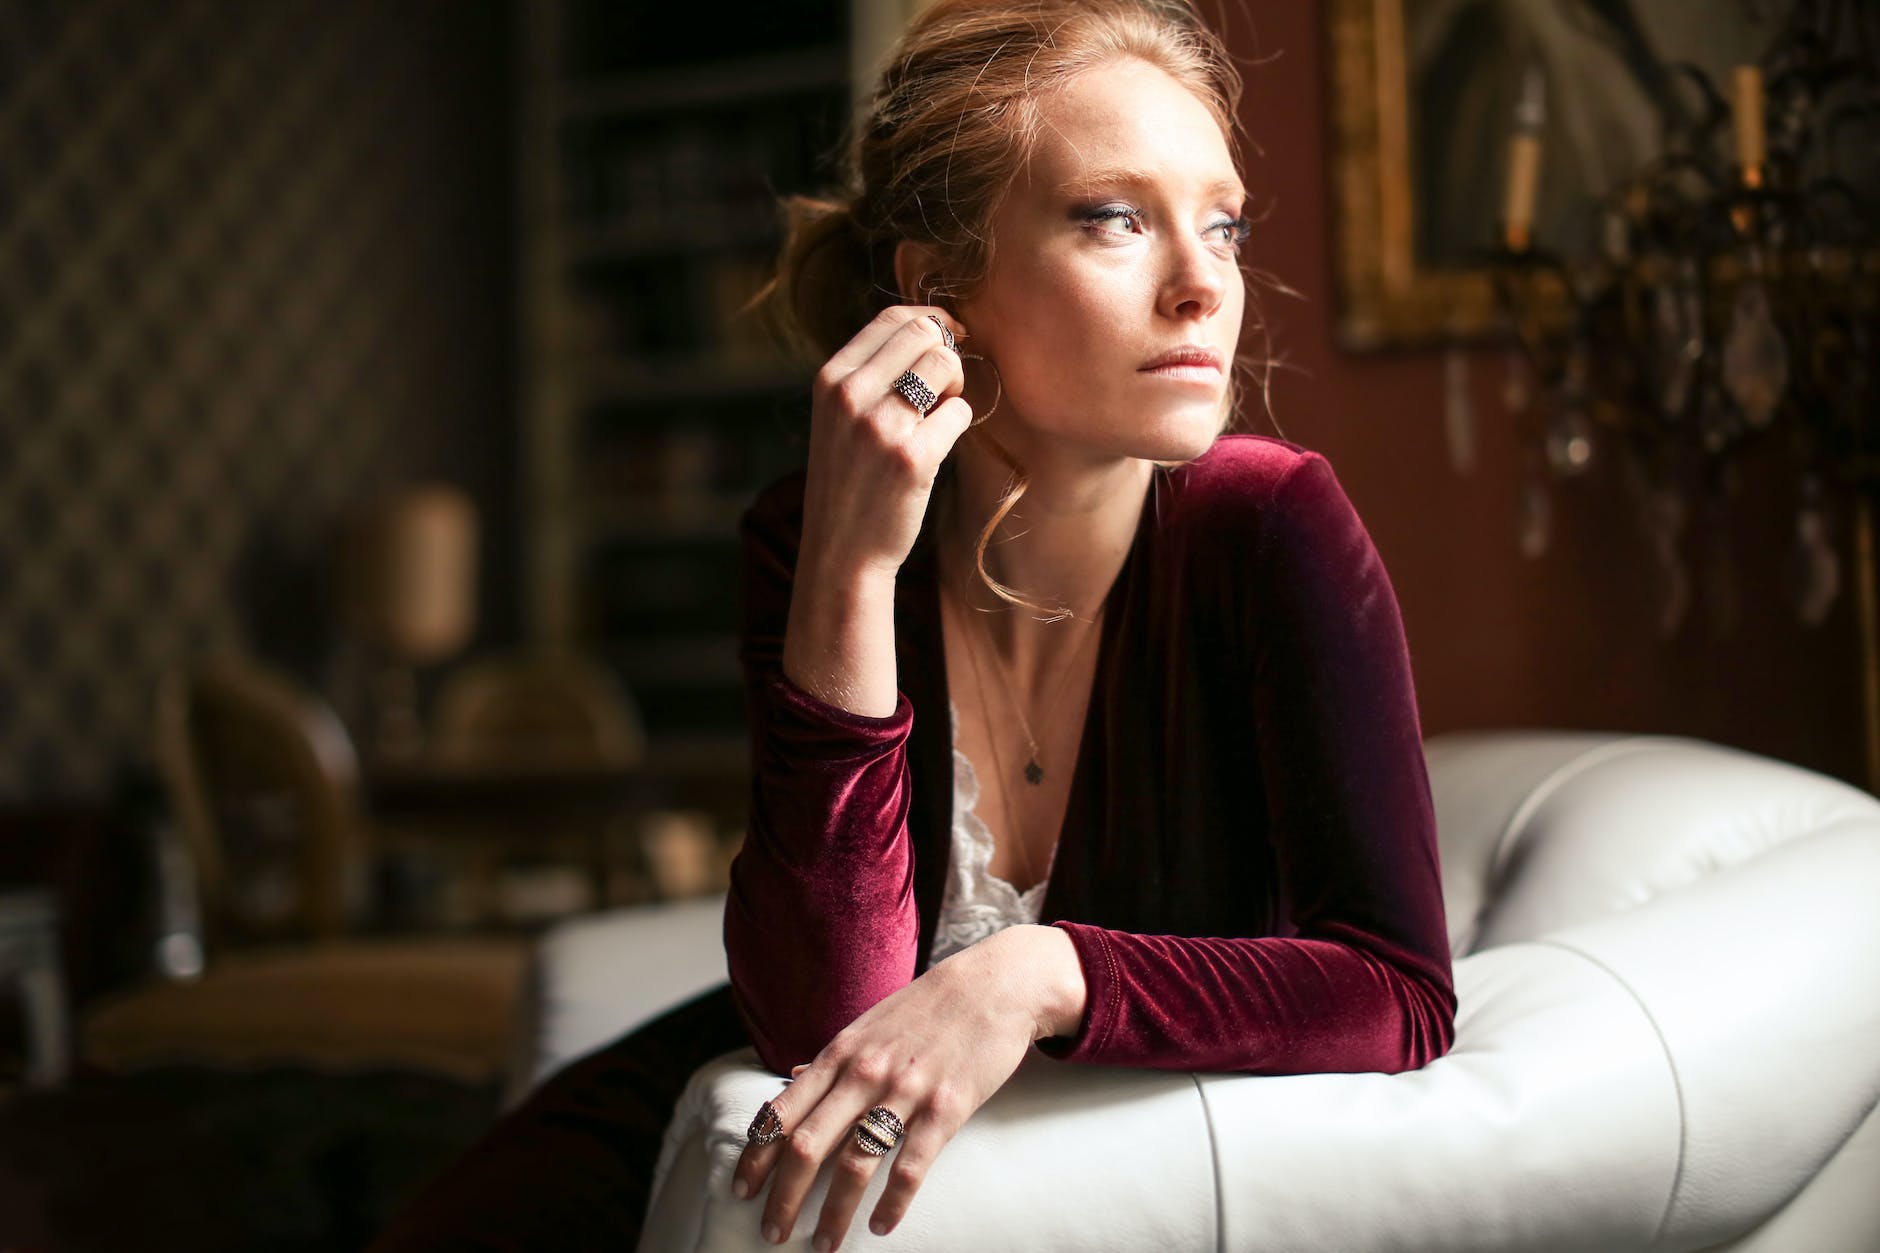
(1498, 640)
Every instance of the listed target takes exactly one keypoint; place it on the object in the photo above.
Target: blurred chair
(264, 782)
(545, 711)
(548, 706)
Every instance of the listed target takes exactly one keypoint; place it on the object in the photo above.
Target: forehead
(1129, 118)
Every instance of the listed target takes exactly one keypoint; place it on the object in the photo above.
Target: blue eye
(1237, 231)
(1111, 213)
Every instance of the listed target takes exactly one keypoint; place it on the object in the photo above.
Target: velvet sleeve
(820, 918)
(1365, 982)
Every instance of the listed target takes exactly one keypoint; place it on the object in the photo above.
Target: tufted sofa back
(1731, 899)
(1541, 830)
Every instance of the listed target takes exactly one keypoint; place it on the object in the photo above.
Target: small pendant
(1034, 773)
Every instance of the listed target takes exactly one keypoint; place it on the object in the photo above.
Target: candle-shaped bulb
(1524, 161)
(1746, 115)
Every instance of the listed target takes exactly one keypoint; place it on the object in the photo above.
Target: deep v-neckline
(1094, 711)
(1027, 898)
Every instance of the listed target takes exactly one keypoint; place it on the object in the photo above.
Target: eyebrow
(1110, 176)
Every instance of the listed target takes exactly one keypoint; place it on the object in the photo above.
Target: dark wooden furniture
(29, 963)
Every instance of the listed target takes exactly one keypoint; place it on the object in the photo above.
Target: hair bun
(823, 292)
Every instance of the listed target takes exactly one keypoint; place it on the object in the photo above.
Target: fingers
(916, 346)
(755, 1163)
(914, 343)
(941, 370)
(926, 1136)
(940, 430)
(821, 1132)
(869, 340)
(855, 1167)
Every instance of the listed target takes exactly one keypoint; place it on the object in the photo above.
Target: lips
(1187, 355)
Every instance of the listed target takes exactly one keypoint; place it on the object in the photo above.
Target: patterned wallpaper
(254, 266)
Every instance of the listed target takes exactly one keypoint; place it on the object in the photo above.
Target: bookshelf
(654, 142)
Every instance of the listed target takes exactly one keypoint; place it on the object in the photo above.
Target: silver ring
(916, 391)
(946, 333)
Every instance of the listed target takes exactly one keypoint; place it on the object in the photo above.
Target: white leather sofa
(1668, 968)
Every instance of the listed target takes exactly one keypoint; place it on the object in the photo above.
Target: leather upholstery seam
(1214, 1161)
(1671, 1064)
(1544, 790)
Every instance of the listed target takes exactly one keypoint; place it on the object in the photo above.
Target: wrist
(837, 571)
(838, 637)
(1048, 976)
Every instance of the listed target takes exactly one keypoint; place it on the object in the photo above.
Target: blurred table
(520, 800)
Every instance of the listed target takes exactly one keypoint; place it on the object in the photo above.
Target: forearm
(820, 922)
(800, 974)
(839, 643)
(1260, 1005)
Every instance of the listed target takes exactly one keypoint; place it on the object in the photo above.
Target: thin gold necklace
(1017, 837)
(1034, 771)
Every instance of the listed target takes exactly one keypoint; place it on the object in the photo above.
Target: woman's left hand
(933, 1052)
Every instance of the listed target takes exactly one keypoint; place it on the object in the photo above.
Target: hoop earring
(996, 378)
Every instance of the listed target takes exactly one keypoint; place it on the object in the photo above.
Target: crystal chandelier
(1732, 301)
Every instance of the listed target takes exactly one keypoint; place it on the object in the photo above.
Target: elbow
(786, 1024)
(1428, 1018)
(778, 1050)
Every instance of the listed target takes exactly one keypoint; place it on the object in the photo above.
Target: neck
(1061, 546)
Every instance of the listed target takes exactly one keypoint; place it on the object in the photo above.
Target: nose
(1195, 280)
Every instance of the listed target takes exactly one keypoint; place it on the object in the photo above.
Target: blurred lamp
(412, 596)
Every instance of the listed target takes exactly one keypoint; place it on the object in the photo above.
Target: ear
(912, 263)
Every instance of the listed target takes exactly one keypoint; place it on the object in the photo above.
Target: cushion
(440, 1005)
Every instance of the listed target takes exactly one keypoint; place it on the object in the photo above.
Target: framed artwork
(1424, 95)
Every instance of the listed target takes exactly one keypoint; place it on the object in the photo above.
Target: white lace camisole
(976, 902)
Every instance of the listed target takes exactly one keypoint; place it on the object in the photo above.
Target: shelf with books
(652, 381)
(679, 660)
(707, 85)
(669, 173)
(685, 463)
(655, 149)
(674, 518)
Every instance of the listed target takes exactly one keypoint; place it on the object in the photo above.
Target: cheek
(1061, 330)
(1237, 298)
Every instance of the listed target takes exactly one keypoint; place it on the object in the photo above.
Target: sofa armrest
(1064, 1157)
(1552, 1123)
(1760, 979)
(595, 978)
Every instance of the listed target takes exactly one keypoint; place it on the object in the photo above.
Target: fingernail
(822, 1243)
(772, 1234)
(742, 1188)
(878, 1227)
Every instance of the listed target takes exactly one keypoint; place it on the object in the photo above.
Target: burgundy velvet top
(1248, 863)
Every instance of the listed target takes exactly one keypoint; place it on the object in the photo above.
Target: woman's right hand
(872, 456)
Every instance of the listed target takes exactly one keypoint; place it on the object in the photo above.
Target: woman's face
(1118, 245)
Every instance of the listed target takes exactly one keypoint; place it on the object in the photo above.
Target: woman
(1201, 764)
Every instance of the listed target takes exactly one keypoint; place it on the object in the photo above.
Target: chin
(1181, 436)
(1173, 433)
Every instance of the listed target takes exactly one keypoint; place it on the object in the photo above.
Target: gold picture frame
(1424, 99)
(1386, 299)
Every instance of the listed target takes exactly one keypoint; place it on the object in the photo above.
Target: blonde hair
(952, 122)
